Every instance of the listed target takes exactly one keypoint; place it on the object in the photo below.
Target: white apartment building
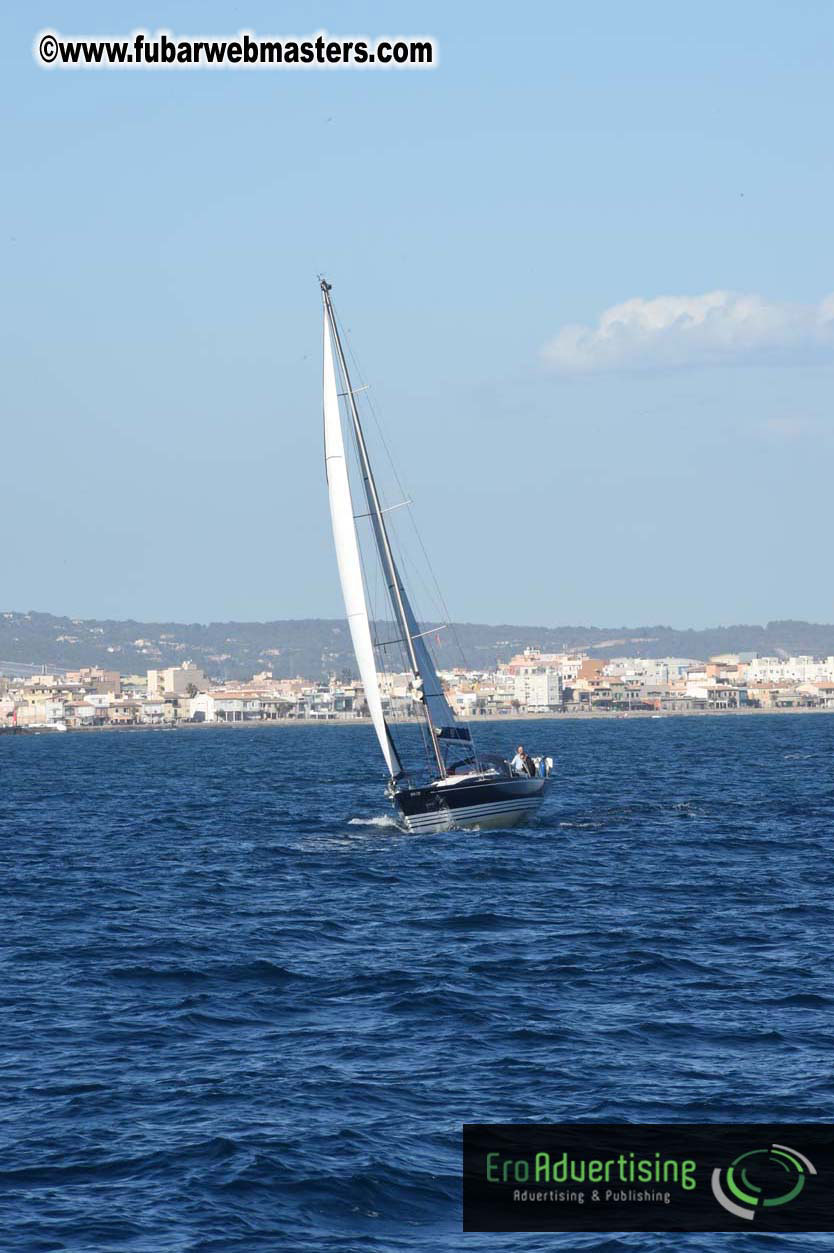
(464, 704)
(654, 670)
(566, 665)
(714, 694)
(176, 679)
(99, 700)
(155, 710)
(538, 689)
(790, 670)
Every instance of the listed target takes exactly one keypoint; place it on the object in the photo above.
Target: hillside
(314, 647)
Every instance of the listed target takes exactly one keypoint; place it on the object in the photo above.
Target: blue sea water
(241, 1011)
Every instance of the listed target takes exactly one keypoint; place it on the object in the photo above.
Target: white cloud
(717, 328)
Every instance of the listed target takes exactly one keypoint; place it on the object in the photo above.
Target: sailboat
(456, 786)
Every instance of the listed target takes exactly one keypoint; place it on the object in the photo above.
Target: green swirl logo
(761, 1180)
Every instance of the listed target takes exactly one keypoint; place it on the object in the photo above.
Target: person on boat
(522, 763)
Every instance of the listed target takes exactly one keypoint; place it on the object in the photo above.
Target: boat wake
(380, 820)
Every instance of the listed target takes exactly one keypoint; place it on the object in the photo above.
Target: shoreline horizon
(588, 716)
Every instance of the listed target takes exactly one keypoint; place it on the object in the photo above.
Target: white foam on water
(382, 820)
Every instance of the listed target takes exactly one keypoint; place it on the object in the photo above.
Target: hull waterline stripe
(511, 803)
(510, 816)
(449, 816)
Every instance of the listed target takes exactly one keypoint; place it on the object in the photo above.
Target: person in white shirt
(521, 763)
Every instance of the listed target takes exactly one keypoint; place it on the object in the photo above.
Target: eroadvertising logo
(648, 1177)
(761, 1178)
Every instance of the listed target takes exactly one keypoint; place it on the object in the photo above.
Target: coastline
(587, 716)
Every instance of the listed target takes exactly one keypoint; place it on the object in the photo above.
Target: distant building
(40, 713)
(123, 712)
(538, 689)
(654, 670)
(176, 680)
(241, 705)
(566, 665)
(94, 679)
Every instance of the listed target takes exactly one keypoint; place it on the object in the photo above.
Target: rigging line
(380, 529)
(362, 565)
(391, 719)
(372, 409)
(434, 595)
(397, 546)
(438, 594)
(442, 601)
(420, 635)
(441, 691)
(408, 571)
(438, 597)
(415, 571)
(437, 589)
(389, 509)
(432, 630)
(376, 620)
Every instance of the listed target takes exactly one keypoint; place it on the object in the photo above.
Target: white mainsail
(347, 551)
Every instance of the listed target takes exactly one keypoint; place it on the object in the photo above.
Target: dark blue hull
(468, 802)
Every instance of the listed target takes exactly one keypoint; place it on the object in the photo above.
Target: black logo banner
(648, 1177)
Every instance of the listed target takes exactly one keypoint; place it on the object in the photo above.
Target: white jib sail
(347, 550)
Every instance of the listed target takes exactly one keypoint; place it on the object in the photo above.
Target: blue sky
(161, 236)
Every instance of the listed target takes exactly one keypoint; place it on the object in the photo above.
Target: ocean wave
(265, 1031)
(260, 971)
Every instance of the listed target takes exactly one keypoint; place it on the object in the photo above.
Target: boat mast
(386, 553)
